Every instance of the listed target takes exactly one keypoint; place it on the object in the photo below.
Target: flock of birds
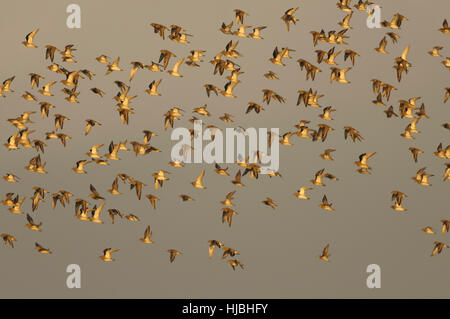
(223, 63)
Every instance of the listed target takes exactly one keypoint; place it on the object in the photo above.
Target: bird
(445, 28)
(390, 112)
(32, 225)
(441, 152)
(147, 236)
(269, 94)
(240, 15)
(379, 101)
(227, 215)
(438, 246)
(226, 28)
(319, 175)
(256, 34)
(113, 66)
(240, 32)
(138, 185)
(445, 225)
(8, 239)
(9, 177)
(115, 187)
(362, 163)
(59, 121)
(228, 89)
(415, 153)
(353, 133)
(398, 196)
(350, 54)
(113, 212)
(160, 29)
(227, 117)
(235, 263)
(154, 67)
(325, 205)
(98, 91)
(165, 57)
(45, 108)
(29, 38)
(382, 46)
(285, 139)
(421, 178)
(16, 205)
(311, 69)
(277, 56)
(34, 79)
(107, 254)
(393, 36)
(153, 88)
(41, 249)
(401, 64)
(89, 124)
(237, 179)
(94, 194)
(58, 197)
(435, 51)
(301, 193)
(93, 152)
(288, 17)
(50, 52)
(185, 198)
(386, 90)
(428, 230)
(159, 178)
(327, 154)
(35, 200)
(132, 218)
(396, 21)
(28, 96)
(213, 244)
(339, 75)
(330, 56)
(228, 198)
(325, 254)
(96, 211)
(202, 110)
(269, 202)
(152, 200)
(113, 150)
(71, 79)
(173, 253)
(254, 106)
(345, 22)
(221, 171)
(227, 251)
(211, 88)
(198, 183)
(174, 71)
(271, 75)
(136, 66)
(447, 172)
(6, 85)
(327, 113)
(46, 89)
